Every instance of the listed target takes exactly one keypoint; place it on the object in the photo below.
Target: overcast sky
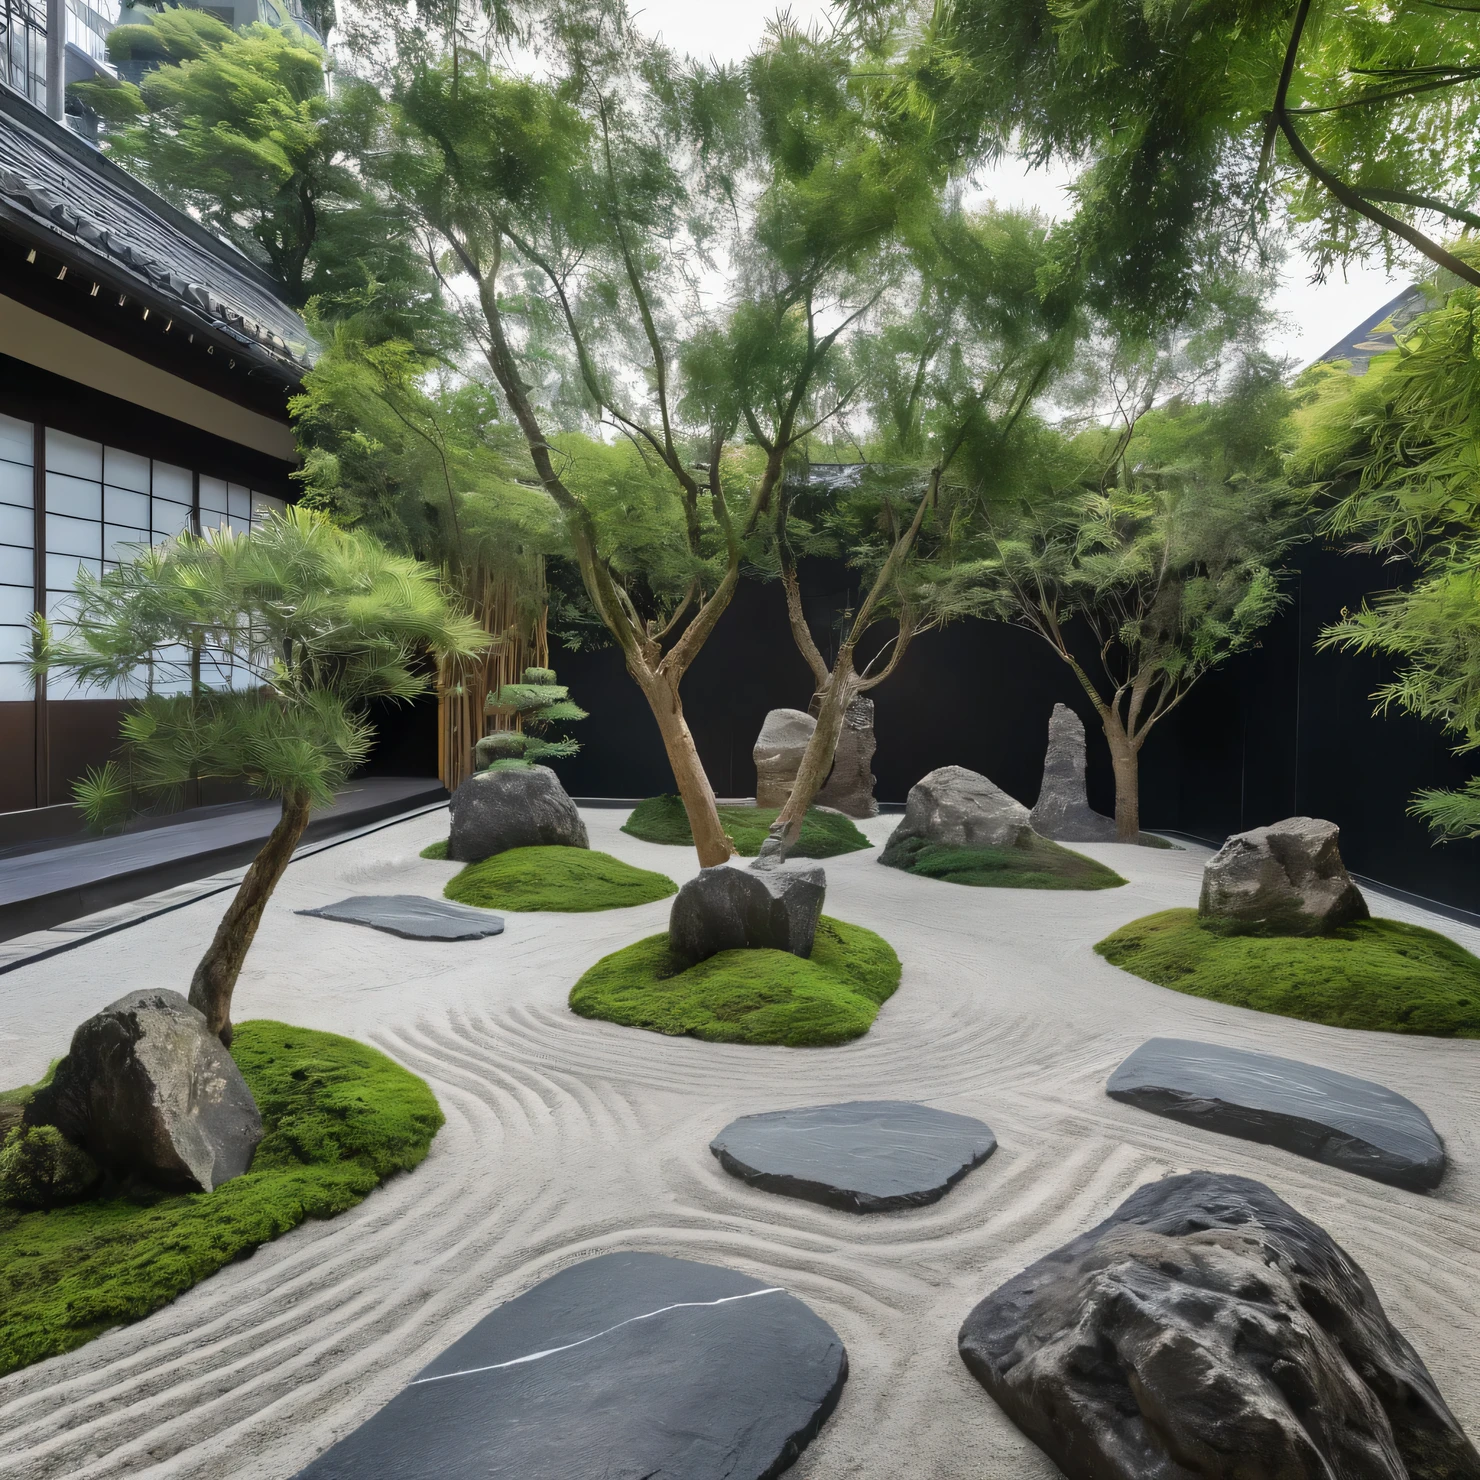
(1318, 316)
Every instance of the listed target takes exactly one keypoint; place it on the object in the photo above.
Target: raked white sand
(567, 1138)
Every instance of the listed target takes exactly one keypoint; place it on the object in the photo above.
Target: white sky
(1318, 316)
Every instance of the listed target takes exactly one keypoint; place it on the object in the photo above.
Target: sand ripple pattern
(567, 1138)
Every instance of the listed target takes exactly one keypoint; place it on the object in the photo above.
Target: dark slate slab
(620, 1367)
(867, 1156)
(1345, 1122)
(413, 917)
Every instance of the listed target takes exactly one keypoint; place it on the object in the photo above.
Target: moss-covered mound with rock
(573, 880)
(339, 1117)
(752, 996)
(1036, 863)
(1376, 974)
(825, 834)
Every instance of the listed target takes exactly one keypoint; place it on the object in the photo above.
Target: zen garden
(727, 753)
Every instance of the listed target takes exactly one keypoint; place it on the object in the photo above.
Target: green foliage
(339, 1118)
(308, 622)
(236, 128)
(1380, 975)
(1036, 864)
(824, 834)
(538, 703)
(1399, 448)
(750, 996)
(41, 1168)
(572, 880)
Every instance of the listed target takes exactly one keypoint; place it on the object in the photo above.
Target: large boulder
(778, 754)
(1063, 811)
(732, 909)
(850, 786)
(1208, 1331)
(956, 808)
(147, 1090)
(512, 807)
(1284, 879)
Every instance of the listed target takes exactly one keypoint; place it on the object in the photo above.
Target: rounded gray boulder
(148, 1090)
(512, 807)
(734, 909)
(778, 754)
(956, 808)
(1284, 879)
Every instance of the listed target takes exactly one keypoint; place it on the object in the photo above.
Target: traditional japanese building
(145, 371)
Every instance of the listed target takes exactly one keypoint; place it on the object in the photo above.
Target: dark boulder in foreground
(148, 1090)
(512, 807)
(626, 1365)
(1343, 1121)
(867, 1156)
(1208, 1331)
(412, 916)
(733, 909)
(1284, 879)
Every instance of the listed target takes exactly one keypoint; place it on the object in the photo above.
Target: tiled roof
(77, 205)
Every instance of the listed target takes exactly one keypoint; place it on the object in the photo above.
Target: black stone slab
(867, 1156)
(413, 917)
(620, 1367)
(1345, 1122)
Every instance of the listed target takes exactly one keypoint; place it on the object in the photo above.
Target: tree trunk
(215, 978)
(817, 762)
(711, 842)
(1125, 757)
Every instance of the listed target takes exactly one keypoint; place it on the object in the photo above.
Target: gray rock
(621, 1366)
(850, 784)
(868, 1156)
(731, 909)
(1063, 811)
(413, 917)
(1208, 1331)
(148, 1090)
(960, 809)
(1284, 879)
(778, 754)
(1345, 1122)
(521, 807)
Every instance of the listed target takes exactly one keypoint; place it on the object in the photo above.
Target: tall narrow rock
(850, 787)
(1063, 811)
(778, 754)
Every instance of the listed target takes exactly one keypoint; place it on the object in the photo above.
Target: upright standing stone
(148, 1090)
(778, 754)
(1063, 811)
(850, 787)
(1284, 879)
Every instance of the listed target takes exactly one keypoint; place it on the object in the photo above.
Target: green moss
(747, 996)
(435, 850)
(824, 834)
(567, 879)
(1376, 974)
(339, 1118)
(1036, 864)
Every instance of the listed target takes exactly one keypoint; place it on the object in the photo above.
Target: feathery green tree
(309, 622)
(1399, 449)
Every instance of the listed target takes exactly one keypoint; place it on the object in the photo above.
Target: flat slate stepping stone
(867, 1156)
(623, 1366)
(413, 917)
(1349, 1123)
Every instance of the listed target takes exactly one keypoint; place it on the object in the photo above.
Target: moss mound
(824, 834)
(747, 996)
(339, 1118)
(1037, 864)
(435, 850)
(1376, 974)
(572, 880)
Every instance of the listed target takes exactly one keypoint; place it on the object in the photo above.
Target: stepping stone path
(623, 1365)
(868, 1156)
(413, 917)
(1345, 1122)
